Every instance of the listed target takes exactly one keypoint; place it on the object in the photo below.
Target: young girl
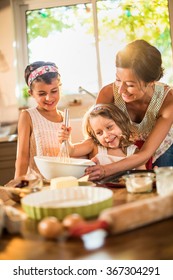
(109, 132)
(38, 127)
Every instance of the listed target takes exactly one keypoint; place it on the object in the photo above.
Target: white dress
(44, 137)
(104, 158)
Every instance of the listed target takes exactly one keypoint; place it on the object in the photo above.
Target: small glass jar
(164, 180)
(141, 182)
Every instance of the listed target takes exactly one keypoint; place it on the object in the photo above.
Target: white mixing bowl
(52, 167)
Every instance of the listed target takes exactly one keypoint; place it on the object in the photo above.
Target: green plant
(25, 94)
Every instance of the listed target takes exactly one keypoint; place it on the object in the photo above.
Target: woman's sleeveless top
(104, 158)
(44, 137)
(143, 129)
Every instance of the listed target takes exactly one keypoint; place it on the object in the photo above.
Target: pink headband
(40, 71)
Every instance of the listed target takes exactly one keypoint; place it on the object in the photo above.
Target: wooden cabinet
(7, 161)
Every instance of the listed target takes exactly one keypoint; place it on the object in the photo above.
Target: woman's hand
(64, 133)
(96, 172)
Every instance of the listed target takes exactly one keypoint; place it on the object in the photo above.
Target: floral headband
(40, 71)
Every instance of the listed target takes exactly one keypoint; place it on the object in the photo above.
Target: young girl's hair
(109, 111)
(41, 71)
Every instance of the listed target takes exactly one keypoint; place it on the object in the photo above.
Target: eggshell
(50, 227)
(71, 220)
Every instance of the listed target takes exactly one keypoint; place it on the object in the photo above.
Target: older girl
(38, 127)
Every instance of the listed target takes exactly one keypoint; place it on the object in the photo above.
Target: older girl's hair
(144, 59)
(43, 76)
(109, 111)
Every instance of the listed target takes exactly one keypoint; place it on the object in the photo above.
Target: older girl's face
(106, 131)
(46, 95)
(130, 88)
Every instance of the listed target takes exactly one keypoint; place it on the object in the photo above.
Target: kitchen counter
(9, 138)
(151, 242)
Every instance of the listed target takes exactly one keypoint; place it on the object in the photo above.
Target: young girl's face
(106, 131)
(46, 95)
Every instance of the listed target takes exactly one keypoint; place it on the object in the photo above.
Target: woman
(147, 103)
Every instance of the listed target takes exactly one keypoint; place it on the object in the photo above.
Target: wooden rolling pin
(138, 213)
(128, 216)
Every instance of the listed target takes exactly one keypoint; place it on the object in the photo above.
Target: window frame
(19, 7)
(21, 58)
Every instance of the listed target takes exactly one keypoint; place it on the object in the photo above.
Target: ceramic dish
(19, 187)
(52, 167)
(16, 193)
(86, 201)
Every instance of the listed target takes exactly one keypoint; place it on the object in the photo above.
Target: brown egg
(50, 227)
(71, 220)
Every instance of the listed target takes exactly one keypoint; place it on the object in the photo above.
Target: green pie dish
(86, 201)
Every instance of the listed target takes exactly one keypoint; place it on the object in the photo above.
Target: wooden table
(152, 242)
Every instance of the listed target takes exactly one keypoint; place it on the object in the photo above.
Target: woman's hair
(109, 111)
(144, 59)
(41, 71)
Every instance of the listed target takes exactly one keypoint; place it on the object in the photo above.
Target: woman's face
(46, 95)
(106, 131)
(130, 88)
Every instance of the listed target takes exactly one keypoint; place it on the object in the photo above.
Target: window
(82, 37)
(70, 43)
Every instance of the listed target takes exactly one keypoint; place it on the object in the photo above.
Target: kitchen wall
(8, 100)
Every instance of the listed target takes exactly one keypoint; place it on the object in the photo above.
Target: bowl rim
(48, 159)
(27, 200)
